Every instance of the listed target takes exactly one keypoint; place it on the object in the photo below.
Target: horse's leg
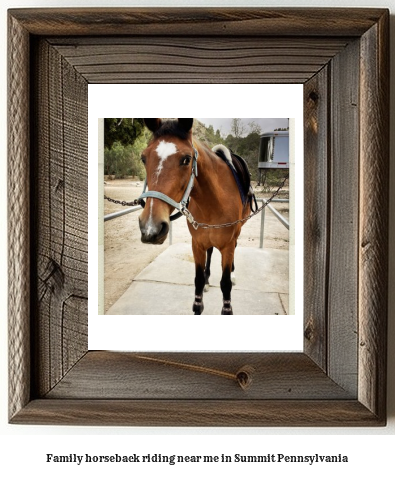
(233, 274)
(199, 255)
(207, 269)
(226, 282)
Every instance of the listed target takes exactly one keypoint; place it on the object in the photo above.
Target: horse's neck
(207, 182)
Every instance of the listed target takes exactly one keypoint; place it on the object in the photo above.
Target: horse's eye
(143, 159)
(185, 160)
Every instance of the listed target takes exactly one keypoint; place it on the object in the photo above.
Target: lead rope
(185, 212)
(203, 225)
(135, 202)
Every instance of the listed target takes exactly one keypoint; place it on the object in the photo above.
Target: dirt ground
(125, 255)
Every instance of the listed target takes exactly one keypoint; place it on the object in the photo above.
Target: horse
(185, 174)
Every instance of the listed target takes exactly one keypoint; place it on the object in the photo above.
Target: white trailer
(273, 152)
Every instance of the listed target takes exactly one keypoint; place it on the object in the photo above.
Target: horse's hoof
(198, 306)
(206, 287)
(227, 308)
(227, 311)
(197, 310)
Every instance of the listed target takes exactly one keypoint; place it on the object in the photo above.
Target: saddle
(241, 173)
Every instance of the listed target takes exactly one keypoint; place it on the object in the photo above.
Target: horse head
(168, 163)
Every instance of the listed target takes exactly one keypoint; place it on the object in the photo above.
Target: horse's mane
(171, 128)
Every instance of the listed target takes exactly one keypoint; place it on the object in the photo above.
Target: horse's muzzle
(154, 233)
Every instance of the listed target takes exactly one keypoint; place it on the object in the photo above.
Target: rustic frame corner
(342, 58)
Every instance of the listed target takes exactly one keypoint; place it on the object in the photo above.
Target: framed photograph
(341, 57)
(150, 281)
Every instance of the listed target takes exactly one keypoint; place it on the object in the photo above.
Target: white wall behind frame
(370, 454)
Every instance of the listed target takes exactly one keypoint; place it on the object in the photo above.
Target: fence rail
(281, 218)
(276, 214)
(114, 215)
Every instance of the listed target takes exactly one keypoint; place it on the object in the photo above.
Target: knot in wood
(313, 96)
(309, 332)
(244, 376)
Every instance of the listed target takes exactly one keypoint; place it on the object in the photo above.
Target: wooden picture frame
(342, 58)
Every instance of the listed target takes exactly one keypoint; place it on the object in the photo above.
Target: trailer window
(281, 151)
(267, 150)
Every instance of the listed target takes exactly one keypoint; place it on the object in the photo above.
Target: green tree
(237, 128)
(254, 127)
(248, 148)
(122, 161)
(207, 134)
(122, 130)
(124, 140)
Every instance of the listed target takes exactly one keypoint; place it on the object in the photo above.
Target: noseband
(180, 206)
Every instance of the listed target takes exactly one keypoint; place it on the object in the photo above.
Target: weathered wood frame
(340, 379)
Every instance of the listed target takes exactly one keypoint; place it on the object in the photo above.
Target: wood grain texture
(373, 232)
(183, 376)
(48, 240)
(343, 219)
(61, 204)
(18, 227)
(198, 21)
(212, 59)
(202, 413)
(316, 212)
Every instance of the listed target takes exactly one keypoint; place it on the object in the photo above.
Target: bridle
(180, 206)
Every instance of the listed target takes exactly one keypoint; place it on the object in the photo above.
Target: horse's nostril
(164, 229)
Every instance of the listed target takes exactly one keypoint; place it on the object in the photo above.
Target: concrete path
(166, 286)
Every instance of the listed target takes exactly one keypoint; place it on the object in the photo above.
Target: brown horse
(178, 168)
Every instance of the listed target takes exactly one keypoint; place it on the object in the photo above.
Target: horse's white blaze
(150, 224)
(164, 150)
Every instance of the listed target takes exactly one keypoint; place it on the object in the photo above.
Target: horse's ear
(153, 124)
(185, 123)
